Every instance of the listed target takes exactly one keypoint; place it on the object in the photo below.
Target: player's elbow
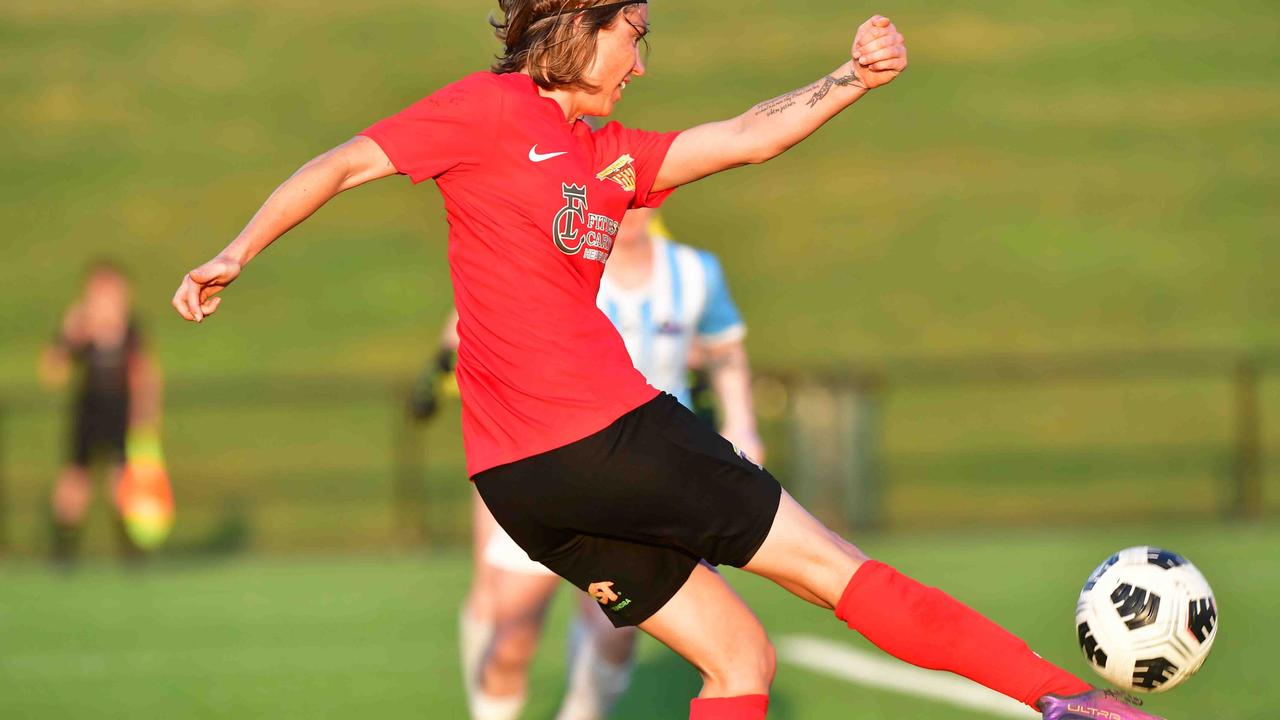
(753, 150)
(340, 168)
(760, 151)
(756, 144)
(322, 173)
(741, 143)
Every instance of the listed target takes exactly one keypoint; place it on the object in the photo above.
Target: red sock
(927, 627)
(742, 707)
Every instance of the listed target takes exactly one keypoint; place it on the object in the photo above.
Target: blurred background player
(673, 309)
(118, 387)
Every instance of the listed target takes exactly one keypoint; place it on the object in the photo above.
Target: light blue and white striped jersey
(685, 299)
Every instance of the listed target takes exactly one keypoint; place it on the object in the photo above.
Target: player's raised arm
(348, 165)
(771, 127)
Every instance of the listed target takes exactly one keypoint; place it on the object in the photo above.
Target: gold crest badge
(621, 171)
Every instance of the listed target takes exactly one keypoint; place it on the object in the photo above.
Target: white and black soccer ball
(1146, 619)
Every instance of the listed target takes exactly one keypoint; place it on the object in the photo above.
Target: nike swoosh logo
(537, 157)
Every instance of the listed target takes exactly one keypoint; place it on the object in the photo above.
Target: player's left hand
(195, 298)
(424, 397)
(879, 52)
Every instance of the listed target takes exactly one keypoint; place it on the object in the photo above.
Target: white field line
(848, 663)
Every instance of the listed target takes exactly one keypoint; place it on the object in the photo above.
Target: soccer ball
(1146, 619)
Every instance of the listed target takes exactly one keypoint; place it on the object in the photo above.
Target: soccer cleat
(1095, 704)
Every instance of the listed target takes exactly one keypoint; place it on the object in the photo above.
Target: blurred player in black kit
(117, 386)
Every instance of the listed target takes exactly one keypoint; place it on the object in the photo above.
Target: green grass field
(374, 636)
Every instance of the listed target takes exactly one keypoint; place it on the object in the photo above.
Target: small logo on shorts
(602, 592)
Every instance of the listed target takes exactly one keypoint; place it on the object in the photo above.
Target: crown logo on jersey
(622, 171)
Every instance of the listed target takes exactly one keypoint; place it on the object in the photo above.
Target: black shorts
(627, 513)
(98, 431)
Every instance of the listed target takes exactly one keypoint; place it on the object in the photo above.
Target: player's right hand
(195, 298)
(879, 52)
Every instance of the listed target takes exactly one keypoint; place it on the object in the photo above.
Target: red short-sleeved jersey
(533, 204)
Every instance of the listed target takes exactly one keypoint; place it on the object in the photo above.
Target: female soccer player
(613, 486)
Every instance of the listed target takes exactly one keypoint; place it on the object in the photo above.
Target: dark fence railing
(336, 462)
(839, 457)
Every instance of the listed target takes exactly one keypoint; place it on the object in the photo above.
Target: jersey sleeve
(647, 149)
(450, 127)
(720, 321)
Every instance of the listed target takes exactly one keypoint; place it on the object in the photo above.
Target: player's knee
(513, 648)
(746, 666)
(768, 665)
(615, 644)
(71, 497)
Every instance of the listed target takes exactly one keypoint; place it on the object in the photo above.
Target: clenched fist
(879, 52)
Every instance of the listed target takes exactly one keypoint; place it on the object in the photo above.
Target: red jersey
(533, 204)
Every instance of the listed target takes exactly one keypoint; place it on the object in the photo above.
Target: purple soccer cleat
(1094, 705)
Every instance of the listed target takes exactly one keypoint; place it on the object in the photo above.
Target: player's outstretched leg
(706, 623)
(916, 623)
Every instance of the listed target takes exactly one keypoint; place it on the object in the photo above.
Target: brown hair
(553, 40)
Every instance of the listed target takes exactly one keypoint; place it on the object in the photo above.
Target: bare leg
(707, 624)
(613, 644)
(520, 606)
(479, 604)
(70, 500)
(71, 495)
(803, 556)
(599, 663)
(476, 619)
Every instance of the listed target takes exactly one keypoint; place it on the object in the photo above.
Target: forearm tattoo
(782, 102)
(829, 82)
(819, 90)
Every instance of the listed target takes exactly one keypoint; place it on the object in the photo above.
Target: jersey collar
(523, 86)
